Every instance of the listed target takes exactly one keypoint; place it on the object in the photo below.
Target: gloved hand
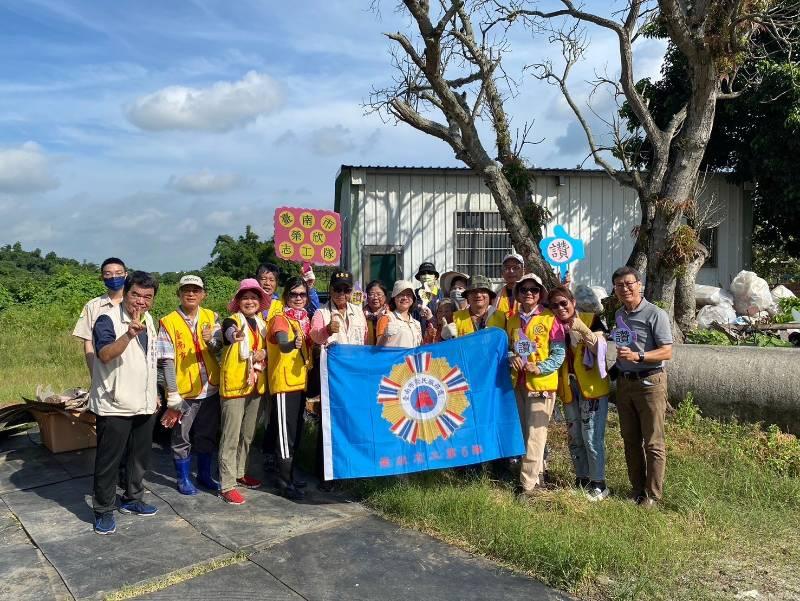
(449, 331)
(174, 400)
(582, 330)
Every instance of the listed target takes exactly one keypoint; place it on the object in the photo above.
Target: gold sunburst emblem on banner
(424, 398)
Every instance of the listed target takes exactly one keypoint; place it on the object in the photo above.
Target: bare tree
(449, 79)
(715, 37)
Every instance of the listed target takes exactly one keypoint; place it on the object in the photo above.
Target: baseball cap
(515, 256)
(191, 280)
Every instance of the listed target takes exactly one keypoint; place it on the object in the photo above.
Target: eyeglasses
(562, 305)
(531, 290)
(376, 295)
(297, 295)
(628, 285)
(144, 297)
(512, 267)
(342, 290)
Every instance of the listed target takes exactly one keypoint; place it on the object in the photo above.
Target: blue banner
(392, 411)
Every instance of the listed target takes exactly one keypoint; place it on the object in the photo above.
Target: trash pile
(72, 399)
(748, 301)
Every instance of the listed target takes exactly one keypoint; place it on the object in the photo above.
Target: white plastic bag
(751, 294)
(723, 313)
(780, 291)
(586, 299)
(707, 295)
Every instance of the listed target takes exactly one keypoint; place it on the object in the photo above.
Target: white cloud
(329, 141)
(219, 218)
(221, 107)
(25, 169)
(204, 182)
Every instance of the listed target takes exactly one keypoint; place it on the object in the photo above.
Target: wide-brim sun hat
(446, 281)
(252, 285)
(480, 282)
(402, 286)
(531, 277)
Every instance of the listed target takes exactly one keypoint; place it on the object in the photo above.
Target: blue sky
(144, 129)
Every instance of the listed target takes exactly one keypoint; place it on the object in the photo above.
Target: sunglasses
(297, 295)
(532, 290)
(561, 305)
(344, 290)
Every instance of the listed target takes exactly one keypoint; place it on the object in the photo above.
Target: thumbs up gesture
(336, 324)
(207, 332)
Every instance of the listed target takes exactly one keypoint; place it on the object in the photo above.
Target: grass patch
(731, 495)
(130, 592)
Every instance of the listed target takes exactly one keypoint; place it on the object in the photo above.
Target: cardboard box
(61, 433)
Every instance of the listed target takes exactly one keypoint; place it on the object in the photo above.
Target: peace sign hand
(238, 336)
(135, 327)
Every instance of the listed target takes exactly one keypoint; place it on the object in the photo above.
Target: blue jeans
(586, 428)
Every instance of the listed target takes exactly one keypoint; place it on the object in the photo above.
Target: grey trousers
(198, 428)
(239, 418)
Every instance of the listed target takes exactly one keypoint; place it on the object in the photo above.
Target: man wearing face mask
(454, 285)
(114, 272)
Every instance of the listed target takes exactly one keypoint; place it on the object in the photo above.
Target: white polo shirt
(91, 311)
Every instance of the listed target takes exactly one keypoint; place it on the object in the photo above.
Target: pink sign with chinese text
(308, 235)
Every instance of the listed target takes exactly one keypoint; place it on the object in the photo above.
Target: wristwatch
(641, 357)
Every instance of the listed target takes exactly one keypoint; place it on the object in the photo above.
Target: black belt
(641, 375)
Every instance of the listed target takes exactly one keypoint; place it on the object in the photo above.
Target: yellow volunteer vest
(233, 375)
(591, 384)
(275, 307)
(287, 372)
(187, 361)
(503, 304)
(464, 324)
(538, 330)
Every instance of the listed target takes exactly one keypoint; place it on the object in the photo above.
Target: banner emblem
(423, 398)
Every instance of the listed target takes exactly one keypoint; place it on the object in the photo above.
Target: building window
(482, 241)
(709, 239)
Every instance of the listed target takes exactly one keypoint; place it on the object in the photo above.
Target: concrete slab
(59, 520)
(264, 519)
(25, 574)
(371, 559)
(243, 580)
(76, 463)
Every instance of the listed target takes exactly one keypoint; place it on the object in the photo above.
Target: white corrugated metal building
(394, 218)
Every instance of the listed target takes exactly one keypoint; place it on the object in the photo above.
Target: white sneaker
(595, 493)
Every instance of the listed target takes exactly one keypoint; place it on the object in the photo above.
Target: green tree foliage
(756, 137)
(240, 257)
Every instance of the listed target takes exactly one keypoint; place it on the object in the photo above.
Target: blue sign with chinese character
(561, 249)
(394, 411)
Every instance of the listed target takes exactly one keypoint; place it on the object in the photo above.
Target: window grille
(482, 241)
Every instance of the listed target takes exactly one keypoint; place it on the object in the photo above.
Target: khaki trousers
(641, 406)
(535, 409)
(239, 419)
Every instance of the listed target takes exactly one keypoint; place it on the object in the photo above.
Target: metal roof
(552, 170)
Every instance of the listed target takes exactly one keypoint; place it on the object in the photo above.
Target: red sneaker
(232, 496)
(248, 482)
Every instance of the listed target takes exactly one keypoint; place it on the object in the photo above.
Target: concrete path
(325, 548)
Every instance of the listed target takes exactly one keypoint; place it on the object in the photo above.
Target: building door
(382, 263)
